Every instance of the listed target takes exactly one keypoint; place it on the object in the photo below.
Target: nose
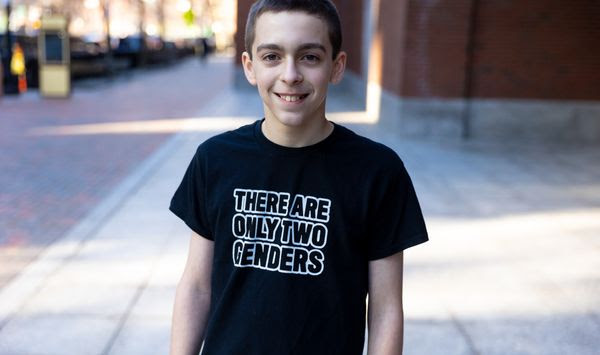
(291, 75)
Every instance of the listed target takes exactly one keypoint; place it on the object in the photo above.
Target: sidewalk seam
(463, 332)
(127, 314)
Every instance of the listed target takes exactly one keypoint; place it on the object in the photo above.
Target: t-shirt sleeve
(189, 200)
(397, 221)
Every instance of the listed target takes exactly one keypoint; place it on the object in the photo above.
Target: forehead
(290, 29)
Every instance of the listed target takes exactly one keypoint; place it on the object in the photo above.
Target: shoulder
(227, 141)
(366, 150)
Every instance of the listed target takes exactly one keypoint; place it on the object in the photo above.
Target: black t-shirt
(293, 231)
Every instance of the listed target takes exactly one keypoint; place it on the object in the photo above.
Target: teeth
(290, 98)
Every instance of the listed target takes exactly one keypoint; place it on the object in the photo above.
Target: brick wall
(435, 48)
(391, 31)
(538, 49)
(351, 15)
(544, 49)
(523, 49)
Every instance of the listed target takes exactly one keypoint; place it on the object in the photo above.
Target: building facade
(488, 69)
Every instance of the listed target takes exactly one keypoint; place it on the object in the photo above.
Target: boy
(295, 218)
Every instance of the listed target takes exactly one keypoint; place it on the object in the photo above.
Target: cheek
(263, 86)
(264, 80)
(320, 82)
(319, 76)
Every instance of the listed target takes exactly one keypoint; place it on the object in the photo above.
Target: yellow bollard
(17, 63)
(17, 67)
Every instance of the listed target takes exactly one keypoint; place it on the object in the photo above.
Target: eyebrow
(303, 47)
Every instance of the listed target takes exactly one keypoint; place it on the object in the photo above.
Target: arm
(192, 299)
(386, 317)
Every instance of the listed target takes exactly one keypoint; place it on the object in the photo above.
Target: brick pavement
(48, 182)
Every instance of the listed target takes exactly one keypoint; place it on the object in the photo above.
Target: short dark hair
(324, 9)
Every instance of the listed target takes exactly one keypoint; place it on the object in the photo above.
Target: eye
(271, 57)
(310, 58)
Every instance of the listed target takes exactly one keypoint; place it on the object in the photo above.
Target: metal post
(469, 62)
(10, 80)
(109, 52)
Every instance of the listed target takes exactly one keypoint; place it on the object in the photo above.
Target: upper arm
(198, 267)
(385, 282)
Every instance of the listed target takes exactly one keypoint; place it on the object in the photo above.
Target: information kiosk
(54, 57)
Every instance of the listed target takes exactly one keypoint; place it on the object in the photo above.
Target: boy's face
(292, 66)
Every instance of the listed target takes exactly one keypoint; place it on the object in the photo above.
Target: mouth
(292, 97)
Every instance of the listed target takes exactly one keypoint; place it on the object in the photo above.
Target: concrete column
(385, 32)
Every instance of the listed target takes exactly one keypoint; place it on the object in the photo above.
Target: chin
(291, 120)
(294, 119)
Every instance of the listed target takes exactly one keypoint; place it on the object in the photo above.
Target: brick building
(527, 69)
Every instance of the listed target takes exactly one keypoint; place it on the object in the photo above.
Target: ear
(248, 68)
(339, 66)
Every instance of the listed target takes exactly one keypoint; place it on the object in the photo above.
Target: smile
(292, 98)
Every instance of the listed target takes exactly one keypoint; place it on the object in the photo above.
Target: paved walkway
(513, 265)
(60, 158)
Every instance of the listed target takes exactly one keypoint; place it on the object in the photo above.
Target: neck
(296, 136)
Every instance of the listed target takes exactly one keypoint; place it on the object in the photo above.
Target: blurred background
(493, 105)
(107, 36)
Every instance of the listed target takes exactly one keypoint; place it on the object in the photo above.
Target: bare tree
(141, 5)
(105, 5)
(160, 11)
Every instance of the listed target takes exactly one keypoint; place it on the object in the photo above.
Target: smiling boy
(295, 218)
